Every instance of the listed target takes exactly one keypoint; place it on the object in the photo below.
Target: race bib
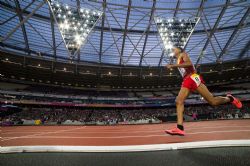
(196, 79)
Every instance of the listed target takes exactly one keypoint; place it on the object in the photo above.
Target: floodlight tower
(74, 26)
(175, 31)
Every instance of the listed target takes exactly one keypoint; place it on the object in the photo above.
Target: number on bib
(196, 79)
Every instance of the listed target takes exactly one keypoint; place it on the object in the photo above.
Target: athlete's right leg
(207, 95)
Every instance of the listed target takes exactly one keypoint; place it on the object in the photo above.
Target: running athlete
(192, 82)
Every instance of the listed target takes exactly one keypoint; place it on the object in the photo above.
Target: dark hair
(180, 48)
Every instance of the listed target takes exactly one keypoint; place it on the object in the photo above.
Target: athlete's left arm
(187, 62)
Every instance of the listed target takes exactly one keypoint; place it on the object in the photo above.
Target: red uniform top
(185, 71)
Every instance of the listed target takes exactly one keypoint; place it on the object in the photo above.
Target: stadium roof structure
(126, 34)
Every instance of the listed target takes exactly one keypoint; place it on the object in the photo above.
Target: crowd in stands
(122, 116)
(15, 93)
(36, 94)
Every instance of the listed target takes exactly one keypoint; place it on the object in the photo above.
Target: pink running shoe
(236, 102)
(175, 131)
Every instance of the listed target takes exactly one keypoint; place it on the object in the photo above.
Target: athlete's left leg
(218, 100)
(208, 96)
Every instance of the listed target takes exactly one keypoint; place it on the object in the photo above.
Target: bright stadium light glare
(79, 42)
(158, 20)
(61, 26)
(66, 26)
(78, 39)
(169, 46)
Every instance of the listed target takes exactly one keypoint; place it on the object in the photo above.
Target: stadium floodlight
(74, 25)
(174, 31)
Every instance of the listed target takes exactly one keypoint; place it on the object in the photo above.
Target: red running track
(123, 134)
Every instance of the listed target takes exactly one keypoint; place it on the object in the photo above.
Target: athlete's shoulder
(185, 57)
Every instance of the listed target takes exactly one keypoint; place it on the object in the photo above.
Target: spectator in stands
(194, 115)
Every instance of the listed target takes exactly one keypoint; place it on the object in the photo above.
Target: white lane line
(131, 131)
(40, 134)
(130, 148)
(120, 137)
